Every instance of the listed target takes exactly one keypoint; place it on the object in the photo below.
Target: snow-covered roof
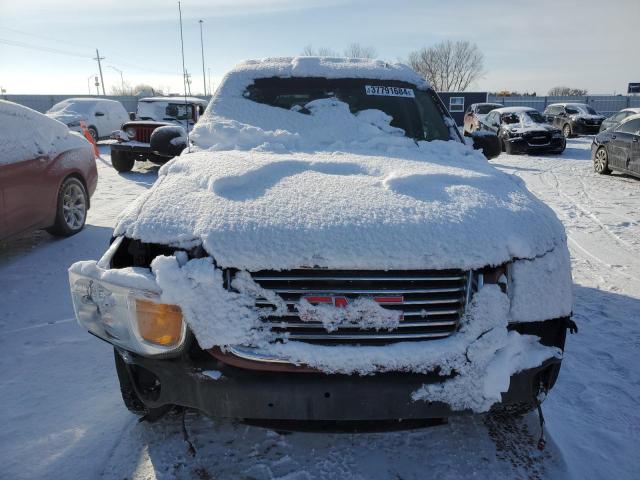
(631, 117)
(88, 100)
(175, 99)
(631, 109)
(566, 104)
(26, 134)
(515, 109)
(322, 67)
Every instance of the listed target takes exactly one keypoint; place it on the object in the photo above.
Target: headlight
(131, 132)
(580, 120)
(494, 276)
(133, 319)
(514, 133)
(557, 134)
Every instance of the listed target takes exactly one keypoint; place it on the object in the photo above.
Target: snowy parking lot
(63, 416)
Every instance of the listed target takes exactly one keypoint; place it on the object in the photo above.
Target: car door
(23, 183)
(621, 145)
(631, 155)
(99, 116)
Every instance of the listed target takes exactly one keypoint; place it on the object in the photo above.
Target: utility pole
(98, 58)
(204, 76)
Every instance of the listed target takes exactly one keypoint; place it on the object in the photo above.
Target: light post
(204, 76)
(121, 77)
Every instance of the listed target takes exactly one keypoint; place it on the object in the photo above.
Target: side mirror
(132, 115)
(99, 114)
(168, 141)
(486, 141)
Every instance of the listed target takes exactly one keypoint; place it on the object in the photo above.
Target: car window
(509, 118)
(572, 110)
(485, 109)
(632, 126)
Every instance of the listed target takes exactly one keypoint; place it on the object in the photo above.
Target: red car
(47, 174)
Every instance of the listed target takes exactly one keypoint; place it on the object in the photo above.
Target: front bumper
(585, 129)
(133, 147)
(244, 394)
(522, 145)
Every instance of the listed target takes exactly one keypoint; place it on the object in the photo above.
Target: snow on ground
(63, 418)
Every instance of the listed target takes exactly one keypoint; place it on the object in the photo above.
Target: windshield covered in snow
(523, 118)
(69, 106)
(580, 109)
(160, 111)
(414, 111)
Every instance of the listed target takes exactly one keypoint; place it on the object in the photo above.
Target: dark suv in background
(574, 118)
(523, 130)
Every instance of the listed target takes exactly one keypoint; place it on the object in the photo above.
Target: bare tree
(141, 89)
(449, 66)
(310, 51)
(355, 50)
(566, 91)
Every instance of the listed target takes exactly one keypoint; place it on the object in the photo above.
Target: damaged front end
(318, 344)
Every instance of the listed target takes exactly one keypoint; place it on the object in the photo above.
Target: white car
(102, 116)
(330, 249)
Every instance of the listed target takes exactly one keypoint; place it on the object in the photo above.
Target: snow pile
(26, 134)
(492, 355)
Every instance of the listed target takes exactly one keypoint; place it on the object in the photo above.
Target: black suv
(524, 130)
(574, 118)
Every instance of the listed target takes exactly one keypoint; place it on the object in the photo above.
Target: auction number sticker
(389, 91)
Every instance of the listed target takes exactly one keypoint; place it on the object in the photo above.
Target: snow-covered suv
(330, 249)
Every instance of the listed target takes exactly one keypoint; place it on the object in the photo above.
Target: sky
(47, 47)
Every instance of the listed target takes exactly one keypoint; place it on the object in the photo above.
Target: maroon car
(47, 174)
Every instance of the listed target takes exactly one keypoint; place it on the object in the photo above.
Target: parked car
(524, 130)
(574, 118)
(134, 140)
(47, 174)
(330, 250)
(618, 148)
(476, 113)
(102, 116)
(617, 118)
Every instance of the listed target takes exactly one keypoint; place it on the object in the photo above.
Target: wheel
(566, 130)
(508, 148)
(71, 209)
(601, 162)
(129, 396)
(122, 161)
(562, 149)
(94, 133)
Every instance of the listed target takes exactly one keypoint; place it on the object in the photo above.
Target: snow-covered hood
(440, 205)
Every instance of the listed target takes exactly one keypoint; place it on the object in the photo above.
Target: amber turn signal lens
(159, 323)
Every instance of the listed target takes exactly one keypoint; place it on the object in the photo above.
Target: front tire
(566, 131)
(71, 208)
(94, 134)
(601, 162)
(122, 161)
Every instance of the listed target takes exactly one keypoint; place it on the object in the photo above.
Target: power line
(14, 43)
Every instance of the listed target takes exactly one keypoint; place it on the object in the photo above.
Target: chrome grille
(431, 302)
